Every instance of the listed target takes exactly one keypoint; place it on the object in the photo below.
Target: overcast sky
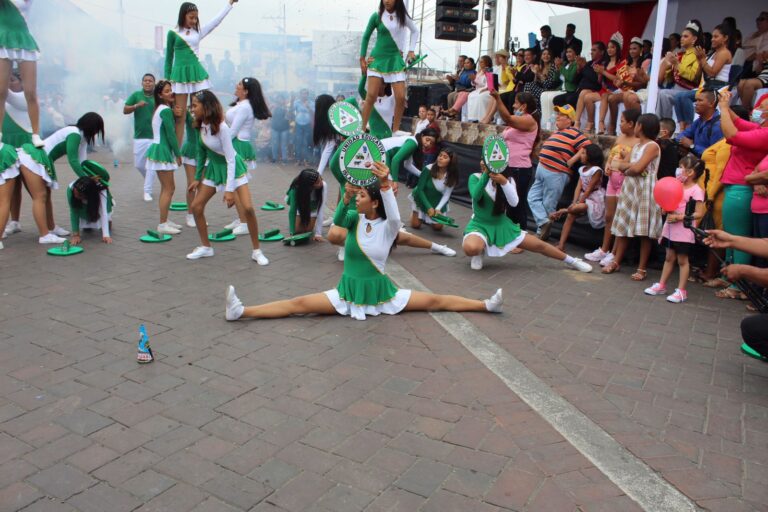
(303, 16)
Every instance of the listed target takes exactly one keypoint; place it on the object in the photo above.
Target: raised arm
(346, 216)
(510, 192)
(477, 184)
(208, 27)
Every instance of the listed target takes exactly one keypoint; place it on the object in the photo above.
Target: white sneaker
(174, 225)
(37, 141)
(580, 265)
(476, 263)
(60, 231)
(495, 303)
(167, 229)
(234, 307)
(259, 257)
(596, 255)
(232, 225)
(147, 197)
(191, 221)
(240, 229)
(608, 259)
(443, 249)
(51, 238)
(340, 254)
(12, 227)
(200, 252)
(328, 221)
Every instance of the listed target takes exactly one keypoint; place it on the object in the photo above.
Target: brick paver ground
(329, 414)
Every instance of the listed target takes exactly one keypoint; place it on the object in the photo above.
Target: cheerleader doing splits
(39, 173)
(247, 108)
(164, 156)
(364, 288)
(387, 67)
(17, 44)
(492, 232)
(219, 168)
(9, 170)
(90, 207)
(433, 191)
(182, 56)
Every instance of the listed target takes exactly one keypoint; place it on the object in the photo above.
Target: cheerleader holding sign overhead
(182, 57)
(388, 67)
(364, 288)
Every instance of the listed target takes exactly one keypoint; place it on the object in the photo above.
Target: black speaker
(417, 96)
(454, 20)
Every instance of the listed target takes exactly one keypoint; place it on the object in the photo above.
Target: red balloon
(668, 193)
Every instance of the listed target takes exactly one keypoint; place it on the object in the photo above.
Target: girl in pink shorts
(619, 152)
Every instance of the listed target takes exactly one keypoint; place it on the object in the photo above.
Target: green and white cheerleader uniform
(162, 154)
(66, 141)
(224, 170)
(364, 288)
(499, 233)
(387, 53)
(17, 129)
(400, 150)
(16, 41)
(142, 134)
(430, 193)
(78, 216)
(380, 122)
(182, 61)
(9, 163)
(240, 119)
(191, 142)
(315, 207)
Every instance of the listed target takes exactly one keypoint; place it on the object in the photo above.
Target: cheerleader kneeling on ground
(90, 207)
(364, 288)
(492, 233)
(39, 173)
(433, 191)
(307, 196)
(219, 168)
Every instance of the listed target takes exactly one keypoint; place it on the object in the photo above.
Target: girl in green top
(434, 189)
(364, 289)
(164, 156)
(306, 197)
(387, 65)
(182, 57)
(18, 45)
(492, 233)
(16, 131)
(90, 207)
(39, 173)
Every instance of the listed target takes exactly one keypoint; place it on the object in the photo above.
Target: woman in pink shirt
(749, 143)
(521, 136)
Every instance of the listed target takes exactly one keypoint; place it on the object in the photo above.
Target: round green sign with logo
(495, 153)
(345, 118)
(358, 153)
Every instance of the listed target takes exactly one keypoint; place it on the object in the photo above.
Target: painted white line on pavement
(630, 474)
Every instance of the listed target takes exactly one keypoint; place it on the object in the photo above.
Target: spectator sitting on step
(464, 81)
(755, 73)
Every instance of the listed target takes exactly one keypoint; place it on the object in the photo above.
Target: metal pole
(658, 37)
(480, 41)
(421, 38)
(494, 6)
(508, 25)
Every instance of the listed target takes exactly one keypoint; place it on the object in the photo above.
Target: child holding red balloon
(678, 239)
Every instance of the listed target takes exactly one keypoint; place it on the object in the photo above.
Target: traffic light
(454, 20)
